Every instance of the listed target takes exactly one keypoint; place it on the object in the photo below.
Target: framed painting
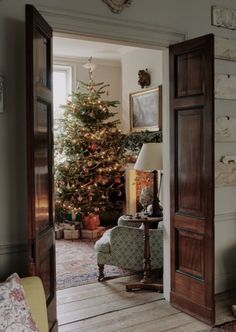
(146, 110)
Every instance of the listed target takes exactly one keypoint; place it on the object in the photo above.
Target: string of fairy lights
(90, 177)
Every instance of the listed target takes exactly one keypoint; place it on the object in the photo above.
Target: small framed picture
(146, 110)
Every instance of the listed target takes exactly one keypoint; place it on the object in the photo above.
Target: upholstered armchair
(123, 246)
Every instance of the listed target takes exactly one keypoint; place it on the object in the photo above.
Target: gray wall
(186, 16)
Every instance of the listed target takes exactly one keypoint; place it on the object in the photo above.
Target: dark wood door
(40, 155)
(192, 176)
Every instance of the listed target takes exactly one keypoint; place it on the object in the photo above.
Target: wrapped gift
(69, 216)
(59, 232)
(79, 216)
(71, 234)
(71, 225)
(93, 234)
(91, 222)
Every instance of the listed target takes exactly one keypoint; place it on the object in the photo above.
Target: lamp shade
(150, 157)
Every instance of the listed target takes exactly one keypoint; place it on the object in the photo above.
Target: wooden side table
(147, 282)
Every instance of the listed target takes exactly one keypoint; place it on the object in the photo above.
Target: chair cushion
(103, 244)
(15, 315)
(35, 297)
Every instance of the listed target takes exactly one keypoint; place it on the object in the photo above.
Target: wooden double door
(192, 172)
(192, 176)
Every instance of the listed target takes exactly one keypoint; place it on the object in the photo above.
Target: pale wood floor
(224, 304)
(107, 307)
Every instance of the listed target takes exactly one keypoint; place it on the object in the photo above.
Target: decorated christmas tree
(89, 162)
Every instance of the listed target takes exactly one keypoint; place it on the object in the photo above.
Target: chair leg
(101, 272)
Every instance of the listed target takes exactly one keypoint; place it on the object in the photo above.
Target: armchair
(123, 246)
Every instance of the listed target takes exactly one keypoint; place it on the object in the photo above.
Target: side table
(147, 282)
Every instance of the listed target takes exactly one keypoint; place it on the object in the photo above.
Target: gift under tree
(89, 163)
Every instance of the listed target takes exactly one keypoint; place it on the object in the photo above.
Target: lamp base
(156, 209)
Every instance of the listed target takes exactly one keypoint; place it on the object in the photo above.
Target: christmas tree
(89, 162)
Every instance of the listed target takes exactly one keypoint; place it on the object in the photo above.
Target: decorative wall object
(225, 174)
(225, 129)
(225, 49)
(225, 86)
(144, 78)
(1, 94)
(224, 17)
(228, 159)
(146, 110)
(117, 6)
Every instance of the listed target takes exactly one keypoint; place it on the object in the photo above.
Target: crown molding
(89, 25)
(83, 60)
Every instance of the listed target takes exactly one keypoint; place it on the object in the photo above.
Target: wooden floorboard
(224, 302)
(107, 307)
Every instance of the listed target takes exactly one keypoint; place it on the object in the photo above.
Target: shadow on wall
(13, 195)
(229, 265)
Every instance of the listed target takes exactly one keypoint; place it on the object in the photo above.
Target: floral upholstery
(123, 246)
(15, 315)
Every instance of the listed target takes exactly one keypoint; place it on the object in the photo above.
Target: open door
(40, 155)
(192, 176)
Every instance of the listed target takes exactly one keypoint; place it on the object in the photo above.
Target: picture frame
(146, 110)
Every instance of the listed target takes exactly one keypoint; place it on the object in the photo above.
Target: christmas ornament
(117, 180)
(94, 147)
(86, 153)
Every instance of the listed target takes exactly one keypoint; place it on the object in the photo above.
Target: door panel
(40, 155)
(192, 176)
(189, 84)
(189, 177)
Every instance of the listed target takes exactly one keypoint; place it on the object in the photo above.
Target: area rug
(76, 264)
(226, 327)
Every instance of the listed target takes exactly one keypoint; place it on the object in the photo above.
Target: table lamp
(150, 159)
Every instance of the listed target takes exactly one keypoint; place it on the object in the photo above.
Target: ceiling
(77, 48)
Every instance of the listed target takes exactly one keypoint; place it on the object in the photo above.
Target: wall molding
(88, 25)
(225, 217)
(15, 248)
(224, 17)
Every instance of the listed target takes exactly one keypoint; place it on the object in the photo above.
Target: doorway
(164, 41)
(117, 66)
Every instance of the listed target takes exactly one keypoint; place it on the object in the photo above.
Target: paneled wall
(225, 195)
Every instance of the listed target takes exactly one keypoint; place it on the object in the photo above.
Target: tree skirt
(226, 327)
(76, 264)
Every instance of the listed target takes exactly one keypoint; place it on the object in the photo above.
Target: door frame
(137, 35)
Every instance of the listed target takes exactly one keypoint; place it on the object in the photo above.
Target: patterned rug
(226, 327)
(76, 264)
